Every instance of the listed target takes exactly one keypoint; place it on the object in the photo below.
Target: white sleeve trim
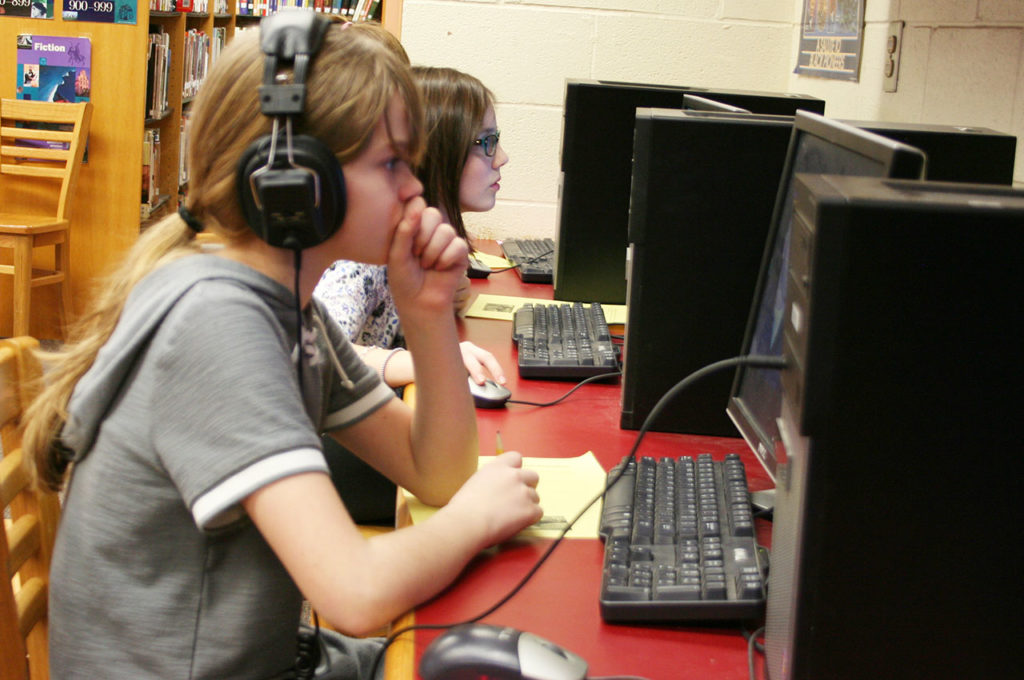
(219, 506)
(362, 407)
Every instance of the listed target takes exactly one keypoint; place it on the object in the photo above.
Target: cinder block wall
(962, 62)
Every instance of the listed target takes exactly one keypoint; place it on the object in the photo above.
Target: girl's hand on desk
(479, 363)
(501, 497)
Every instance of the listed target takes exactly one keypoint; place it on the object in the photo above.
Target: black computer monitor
(956, 153)
(596, 166)
(692, 102)
(818, 145)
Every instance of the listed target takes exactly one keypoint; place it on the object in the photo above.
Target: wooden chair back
(30, 524)
(41, 150)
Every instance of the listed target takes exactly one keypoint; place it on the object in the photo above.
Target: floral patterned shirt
(357, 296)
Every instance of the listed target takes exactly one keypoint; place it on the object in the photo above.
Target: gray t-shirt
(157, 571)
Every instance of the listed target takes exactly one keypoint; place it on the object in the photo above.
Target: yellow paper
(492, 261)
(566, 485)
(503, 307)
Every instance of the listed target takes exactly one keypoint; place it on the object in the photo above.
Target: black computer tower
(596, 166)
(897, 542)
(956, 153)
(704, 186)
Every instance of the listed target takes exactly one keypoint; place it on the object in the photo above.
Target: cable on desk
(529, 260)
(753, 644)
(593, 378)
(754, 360)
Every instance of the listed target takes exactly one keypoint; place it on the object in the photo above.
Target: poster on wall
(54, 68)
(33, 9)
(101, 11)
(831, 34)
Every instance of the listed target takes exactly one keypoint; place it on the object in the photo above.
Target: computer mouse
(477, 269)
(488, 395)
(475, 650)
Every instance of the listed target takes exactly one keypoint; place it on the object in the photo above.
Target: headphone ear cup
(280, 203)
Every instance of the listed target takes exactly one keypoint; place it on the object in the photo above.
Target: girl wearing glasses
(461, 172)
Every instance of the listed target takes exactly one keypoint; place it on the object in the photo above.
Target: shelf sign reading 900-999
(103, 11)
(34, 9)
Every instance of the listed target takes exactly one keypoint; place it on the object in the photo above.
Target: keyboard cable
(753, 360)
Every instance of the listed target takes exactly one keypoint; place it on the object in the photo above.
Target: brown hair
(454, 104)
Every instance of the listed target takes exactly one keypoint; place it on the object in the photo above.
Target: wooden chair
(39, 165)
(29, 532)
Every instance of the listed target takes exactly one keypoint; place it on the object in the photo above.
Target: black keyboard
(533, 258)
(679, 542)
(563, 341)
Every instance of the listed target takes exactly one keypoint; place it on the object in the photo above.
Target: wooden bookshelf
(106, 217)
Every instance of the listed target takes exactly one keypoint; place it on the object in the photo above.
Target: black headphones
(291, 187)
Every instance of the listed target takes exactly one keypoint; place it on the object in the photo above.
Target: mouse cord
(754, 360)
(529, 260)
(754, 645)
(593, 378)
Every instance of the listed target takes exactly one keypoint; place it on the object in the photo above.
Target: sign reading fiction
(54, 68)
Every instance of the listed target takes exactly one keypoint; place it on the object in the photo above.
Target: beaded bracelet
(384, 365)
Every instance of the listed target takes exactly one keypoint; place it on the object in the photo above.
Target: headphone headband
(291, 187)
(288, 38)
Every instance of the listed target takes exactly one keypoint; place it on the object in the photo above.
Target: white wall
(962, 62)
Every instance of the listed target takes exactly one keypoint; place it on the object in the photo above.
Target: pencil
(497, 443)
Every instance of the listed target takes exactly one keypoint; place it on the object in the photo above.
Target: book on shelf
(150, 171)
(364, 10)
(157, 71)
(183, 170)
(196, 61)
(220, 39)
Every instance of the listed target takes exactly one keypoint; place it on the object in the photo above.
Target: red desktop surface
(560, 601)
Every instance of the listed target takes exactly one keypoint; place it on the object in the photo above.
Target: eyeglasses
(489, 143)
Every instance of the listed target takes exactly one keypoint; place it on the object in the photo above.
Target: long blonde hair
(352, 81)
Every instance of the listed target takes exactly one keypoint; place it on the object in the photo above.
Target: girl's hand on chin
(427, 258)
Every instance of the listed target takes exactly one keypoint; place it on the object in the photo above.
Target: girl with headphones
(460, 172)
(185, 416)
